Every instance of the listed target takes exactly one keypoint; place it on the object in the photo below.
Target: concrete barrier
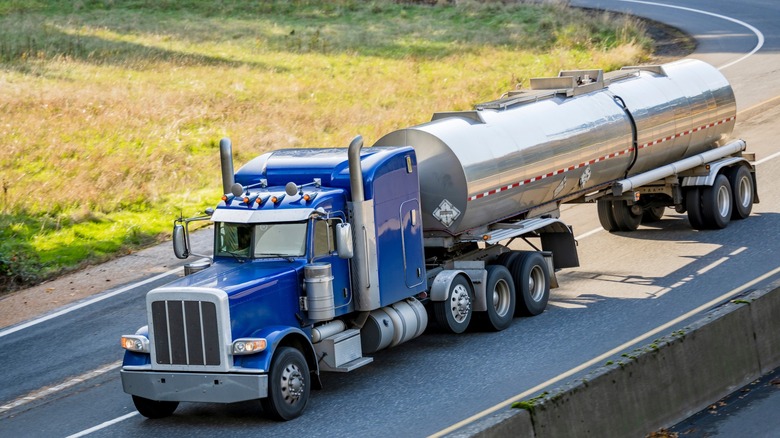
(659, 384)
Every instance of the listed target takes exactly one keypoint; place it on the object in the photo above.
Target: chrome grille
(185, 332)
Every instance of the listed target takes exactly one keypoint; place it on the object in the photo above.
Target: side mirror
(180, 248)
(344, 245)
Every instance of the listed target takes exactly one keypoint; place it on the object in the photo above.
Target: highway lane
(627, 284)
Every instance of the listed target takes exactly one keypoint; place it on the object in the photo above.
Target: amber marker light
(274, 199)
(135, 343)
(249, 345)
(486, 237)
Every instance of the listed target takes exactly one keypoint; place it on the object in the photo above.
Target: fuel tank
(564, 137)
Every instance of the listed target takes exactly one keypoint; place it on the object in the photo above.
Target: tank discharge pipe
(226, 160)
(662, 172)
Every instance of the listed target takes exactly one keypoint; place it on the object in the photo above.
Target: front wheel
(289, 384)
(454, 313)
(154, 409)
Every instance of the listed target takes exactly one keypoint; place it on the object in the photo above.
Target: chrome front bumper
(195, 387)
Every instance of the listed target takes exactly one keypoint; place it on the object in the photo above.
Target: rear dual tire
(729, 197)
(532, 281)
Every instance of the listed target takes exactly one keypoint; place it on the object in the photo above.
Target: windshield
(261, 240)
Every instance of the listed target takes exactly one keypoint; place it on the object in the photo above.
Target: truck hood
(261, 293)
(239, 279)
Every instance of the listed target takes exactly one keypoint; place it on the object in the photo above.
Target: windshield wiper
(240, 258)
(287, 257)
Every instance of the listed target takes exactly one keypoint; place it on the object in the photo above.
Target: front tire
(454, 313)
(154, 409)
(289, 383)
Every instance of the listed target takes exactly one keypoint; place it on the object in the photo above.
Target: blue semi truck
(322, 257)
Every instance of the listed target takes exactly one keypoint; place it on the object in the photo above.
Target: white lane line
(103, 425)
(757, 32)
(589, 233)
(73, 308)
(765, 159)
(41, 393)
(608, 354)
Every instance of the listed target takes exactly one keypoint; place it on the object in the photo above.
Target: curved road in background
(60, 376)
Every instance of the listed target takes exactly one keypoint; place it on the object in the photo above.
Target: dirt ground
(39, 300)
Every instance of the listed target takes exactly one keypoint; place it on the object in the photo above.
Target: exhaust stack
(364, 263)
(226, 159)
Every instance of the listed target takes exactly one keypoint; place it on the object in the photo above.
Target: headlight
(249, 345)
(135, 343)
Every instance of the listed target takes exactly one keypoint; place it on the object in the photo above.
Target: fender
(278, 336)
(714, 169)
(441, 284)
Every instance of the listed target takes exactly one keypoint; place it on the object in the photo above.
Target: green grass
(113, 110)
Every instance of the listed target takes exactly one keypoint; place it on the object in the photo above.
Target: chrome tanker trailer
(324, 256)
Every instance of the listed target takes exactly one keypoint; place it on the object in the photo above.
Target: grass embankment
(112, 110)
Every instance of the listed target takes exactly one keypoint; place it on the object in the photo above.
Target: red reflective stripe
(596, 160)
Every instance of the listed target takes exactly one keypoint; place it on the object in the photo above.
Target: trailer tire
(717, 203)
(653, 214)
(532, 283)
(289, 383)
(454, 314)
(625, 218)
(742, 191)
(693, 206)
(154, 409)
(500, 298)
(606, 216)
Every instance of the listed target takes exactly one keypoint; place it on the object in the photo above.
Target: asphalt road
(60, 377)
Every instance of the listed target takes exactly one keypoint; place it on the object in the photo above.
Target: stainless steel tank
(568, 135)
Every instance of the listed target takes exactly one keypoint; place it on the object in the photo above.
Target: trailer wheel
(289, 384)
(742, 190)
(154, 409)
(693, 205)
(532, 283)
(653, 214)
(717, 203)
(625, 218)
(500, 299)
(606, 216)
(454, 313)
